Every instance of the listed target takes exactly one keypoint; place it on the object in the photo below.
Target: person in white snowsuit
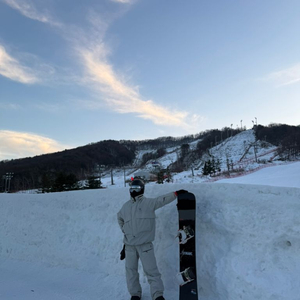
(137, 221)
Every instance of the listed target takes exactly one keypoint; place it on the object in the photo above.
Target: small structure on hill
(145, 175)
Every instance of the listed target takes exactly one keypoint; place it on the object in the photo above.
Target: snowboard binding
(186, 276)
(185, 234)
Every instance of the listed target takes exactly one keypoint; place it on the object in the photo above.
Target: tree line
(286, 137)
(29, 173)
(61, 170)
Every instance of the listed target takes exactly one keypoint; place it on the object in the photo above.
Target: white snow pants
(146, 253)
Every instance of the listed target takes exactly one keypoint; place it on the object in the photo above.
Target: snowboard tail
(187, 276)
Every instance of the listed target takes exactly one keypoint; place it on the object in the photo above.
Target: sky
(77, 72)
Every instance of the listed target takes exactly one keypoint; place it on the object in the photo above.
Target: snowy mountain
(66, 245)
(239, 154)
(225, 152)
(244, 151)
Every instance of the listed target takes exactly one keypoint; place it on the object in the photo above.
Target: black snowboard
(187, 251)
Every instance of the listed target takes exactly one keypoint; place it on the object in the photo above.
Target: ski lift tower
(8, 177)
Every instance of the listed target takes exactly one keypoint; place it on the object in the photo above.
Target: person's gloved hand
(122, 253)
(180, 192)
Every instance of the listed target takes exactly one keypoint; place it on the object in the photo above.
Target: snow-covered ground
(65, 246)
(287, 175)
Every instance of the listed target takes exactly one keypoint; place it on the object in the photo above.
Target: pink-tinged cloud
(23, 144)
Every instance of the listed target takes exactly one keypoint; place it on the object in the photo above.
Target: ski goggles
(135, 188)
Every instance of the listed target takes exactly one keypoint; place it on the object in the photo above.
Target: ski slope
(65, 246)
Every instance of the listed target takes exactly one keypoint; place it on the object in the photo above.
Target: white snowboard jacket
(137, 218)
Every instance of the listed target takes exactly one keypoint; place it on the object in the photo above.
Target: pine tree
(213, 166)
(218, 165)
(206, 169)
(160, 177)
(169, 175)
(93, 183)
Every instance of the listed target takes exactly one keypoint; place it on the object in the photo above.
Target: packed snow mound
(248, 239)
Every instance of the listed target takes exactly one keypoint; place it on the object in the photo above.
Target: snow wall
(248, 237)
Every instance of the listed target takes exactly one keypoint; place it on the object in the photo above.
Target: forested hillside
(64, 169)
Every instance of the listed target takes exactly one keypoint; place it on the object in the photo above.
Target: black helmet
(137, 188)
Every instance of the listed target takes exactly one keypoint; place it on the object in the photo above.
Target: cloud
(27, 9)
(14, 70)
(9, 106)
(123, 1)
(22, 144)
(285, 77)
(122, 97)
(99, 72)
(114, 88)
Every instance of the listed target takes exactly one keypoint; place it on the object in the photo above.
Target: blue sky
(74, 72)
